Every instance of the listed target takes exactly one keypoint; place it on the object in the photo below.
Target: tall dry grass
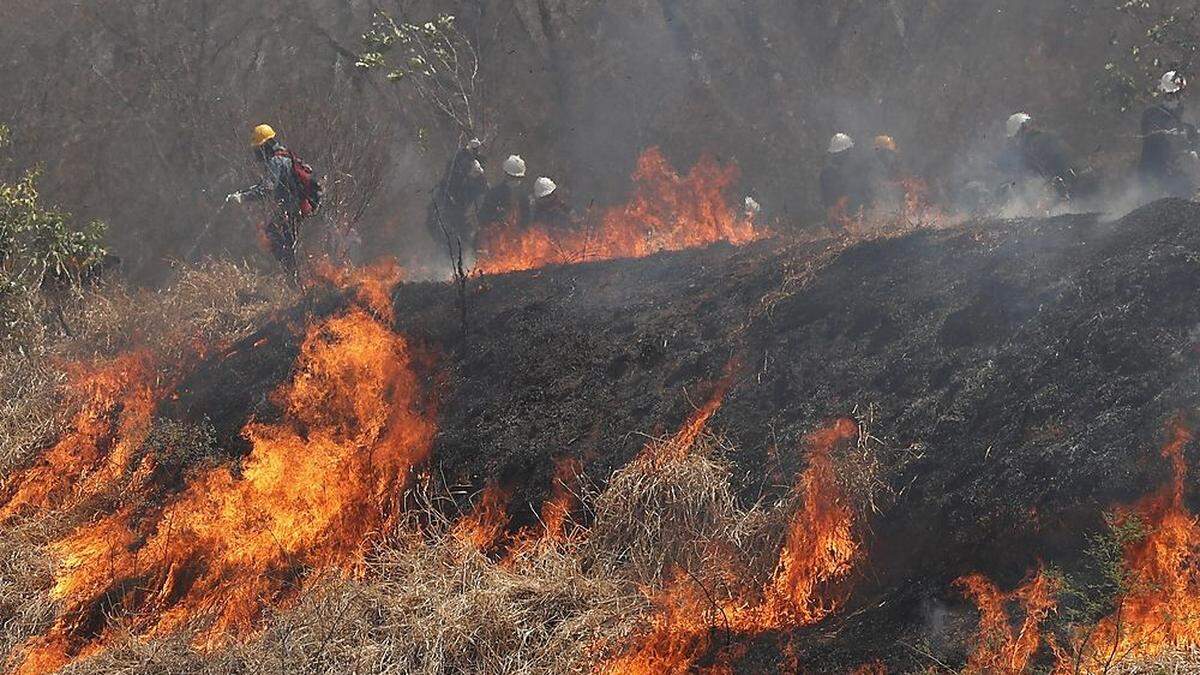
(426, 602)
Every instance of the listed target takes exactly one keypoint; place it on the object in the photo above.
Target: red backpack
(308, 187)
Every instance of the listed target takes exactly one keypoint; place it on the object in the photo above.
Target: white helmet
(1172, 82)
(840, 143)
(474, 144)
(515, 166)
(543, 187)
(1017, 122)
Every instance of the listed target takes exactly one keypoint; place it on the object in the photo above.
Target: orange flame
(1161, 610)
(998, 647)
(556, 512)
(316, 487)
(667, 212)
(484, 528)
(818, 553)
(119, 396)
(915, 210)
(371, 284)
(820, 543)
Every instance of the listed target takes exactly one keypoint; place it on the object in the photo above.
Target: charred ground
(1018, 376)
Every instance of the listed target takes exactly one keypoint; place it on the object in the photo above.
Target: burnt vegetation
(698, 432)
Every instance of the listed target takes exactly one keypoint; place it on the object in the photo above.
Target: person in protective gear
(459, 191)
(887, 174)
(1036, 162)
(844, 188)
(1168, 163)
(280, 185)
(508, 202)
(549, 209)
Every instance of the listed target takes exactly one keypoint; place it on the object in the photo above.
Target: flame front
(99, 446)
(486, 526)
(316, 487)
(667, 212)
(1161, 610)
(818, 553)
(998, 647)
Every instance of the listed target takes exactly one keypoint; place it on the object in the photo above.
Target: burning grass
(667, 212)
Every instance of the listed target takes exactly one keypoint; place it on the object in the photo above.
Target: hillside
(1005, 384)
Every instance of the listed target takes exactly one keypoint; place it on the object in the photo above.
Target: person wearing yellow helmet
(887, 174)
(292, 185)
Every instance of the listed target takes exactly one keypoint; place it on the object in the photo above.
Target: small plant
(1098, 592)
(43, 255)
(435, 58)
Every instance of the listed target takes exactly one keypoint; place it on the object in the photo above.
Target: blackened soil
(1019, 374)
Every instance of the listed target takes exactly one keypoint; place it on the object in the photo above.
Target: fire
(817, 554)
(371, 284)
(315, 489)
(1161, 609)
(915, 210)
(820, 545)
(667, 212)
(485, 527)
(556, 512)
(118, 400)
(998, 647)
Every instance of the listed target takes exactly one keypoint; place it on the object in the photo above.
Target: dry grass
(428, 603)
(422, 603)
(657, 517)
(208, 305)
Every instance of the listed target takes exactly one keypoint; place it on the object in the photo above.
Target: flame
(371, 284)
(667, 212)
(1161, 610)
(556, 512)
(915, 210)
(118, 400)
(485, 527)
(998, 647)
(316, 487)
(677, 446)
(872, 668)
(818, 553)
(820, 544)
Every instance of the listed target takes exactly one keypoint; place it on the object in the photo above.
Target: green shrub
(44, 256)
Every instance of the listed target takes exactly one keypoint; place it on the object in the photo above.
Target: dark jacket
(504, 203)
(278, 183)
(1166, 140)
(844, 182)
(1039, 154)
(552, 212)
(887, 176)
(462, 186)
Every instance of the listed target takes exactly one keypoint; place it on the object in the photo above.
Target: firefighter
(457, 193)
(1168, 159)
(1036, 162)
(844, 191)
(295, 190)
(508, 202)
(549, 209)
(887, 174)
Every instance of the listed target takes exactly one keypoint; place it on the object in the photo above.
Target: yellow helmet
(885, 143)
(262, 134)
